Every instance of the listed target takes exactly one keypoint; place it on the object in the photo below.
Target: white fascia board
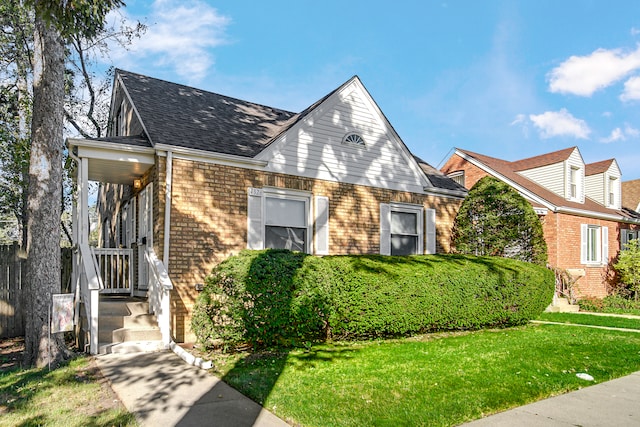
(523, 191)
(109, 151)
(210, 157)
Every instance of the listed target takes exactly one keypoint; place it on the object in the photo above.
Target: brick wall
(209, 221)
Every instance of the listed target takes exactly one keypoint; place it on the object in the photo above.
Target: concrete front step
(125, 326)
(130, 347)
(561, 305)
(129, 334)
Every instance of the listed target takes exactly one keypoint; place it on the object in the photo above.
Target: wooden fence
(12, 273)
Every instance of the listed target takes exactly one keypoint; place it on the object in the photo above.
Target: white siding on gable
(314, 147)
(594, 187)
(550, 177)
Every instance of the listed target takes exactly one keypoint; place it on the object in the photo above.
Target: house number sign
(255, 192)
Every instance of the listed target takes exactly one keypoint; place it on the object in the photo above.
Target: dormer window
(573, 182)
(611, 190)
(353, 139)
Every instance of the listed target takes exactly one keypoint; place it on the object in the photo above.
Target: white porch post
(83, 239)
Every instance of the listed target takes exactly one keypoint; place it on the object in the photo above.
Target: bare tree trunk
(44, 195)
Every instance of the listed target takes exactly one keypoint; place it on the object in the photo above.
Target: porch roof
(116, 160)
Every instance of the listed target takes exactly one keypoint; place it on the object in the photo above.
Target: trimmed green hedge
(277, 297)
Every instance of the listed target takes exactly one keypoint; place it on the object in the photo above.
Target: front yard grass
(439, 379)
(71, 395)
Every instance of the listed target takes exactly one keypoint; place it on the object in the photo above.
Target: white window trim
(603, 249)
(256, 222)
(385, 224)
(579, 182)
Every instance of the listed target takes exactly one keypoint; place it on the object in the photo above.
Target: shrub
(610, 304)
(496, 220)
(265, 298)
(277, 297)
(377, 296)
(628, 267)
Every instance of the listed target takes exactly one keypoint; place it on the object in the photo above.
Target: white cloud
(634, 31)
(584, 75)
(619, 134)
(631, 90)
(616, 135)
(180, 34)
(560, 123)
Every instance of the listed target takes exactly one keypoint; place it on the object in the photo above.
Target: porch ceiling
(116, 172)
(113, 162)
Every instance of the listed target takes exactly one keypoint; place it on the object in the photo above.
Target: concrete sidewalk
(611, 403)
(162, 390)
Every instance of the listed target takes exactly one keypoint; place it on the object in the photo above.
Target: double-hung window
(281, 219)
(594, 244)
(402, 229)
(286, 223)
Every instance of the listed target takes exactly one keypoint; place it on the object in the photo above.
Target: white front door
(145, 235)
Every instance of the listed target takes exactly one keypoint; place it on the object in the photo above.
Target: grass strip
(434, 380)
(592, 320)
(68, 396)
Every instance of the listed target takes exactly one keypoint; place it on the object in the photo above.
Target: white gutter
(167, 209)
(445, 192)
(598, 215)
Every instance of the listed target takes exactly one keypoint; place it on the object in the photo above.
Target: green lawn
(590, 319)
(67, 396)
(437, 379)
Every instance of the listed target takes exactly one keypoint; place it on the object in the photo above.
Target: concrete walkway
(612, 403)
(162, 390)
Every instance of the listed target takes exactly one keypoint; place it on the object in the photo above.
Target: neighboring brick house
(579, 205)
(198, 176)
(631, 194)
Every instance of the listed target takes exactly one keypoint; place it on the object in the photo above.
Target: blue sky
(509, 79)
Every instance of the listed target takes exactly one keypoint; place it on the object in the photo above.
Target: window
(612, 191)
(594, 244)
(285, 224)
(573, 182)
(281, 219)
(626, 236)
(401, 229)
(458, 177)
(404, 233)
(353, 139)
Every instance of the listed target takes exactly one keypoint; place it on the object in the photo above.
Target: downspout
(167, 210)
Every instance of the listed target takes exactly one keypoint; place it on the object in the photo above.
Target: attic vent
(353, 138)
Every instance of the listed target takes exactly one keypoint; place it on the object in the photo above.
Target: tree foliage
(495, 220)
(628, 266)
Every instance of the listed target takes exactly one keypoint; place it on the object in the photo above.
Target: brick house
(189, 177)
(579, 205)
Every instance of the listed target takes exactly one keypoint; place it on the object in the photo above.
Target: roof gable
(601, 167)
(544, 159)
(314, 146)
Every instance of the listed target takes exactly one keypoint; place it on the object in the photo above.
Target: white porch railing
(115, 269)
(160, 286)
(88, 285)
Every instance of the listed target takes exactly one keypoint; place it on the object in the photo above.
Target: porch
(122, 289)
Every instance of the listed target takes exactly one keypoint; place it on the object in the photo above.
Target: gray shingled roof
(179, 115)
